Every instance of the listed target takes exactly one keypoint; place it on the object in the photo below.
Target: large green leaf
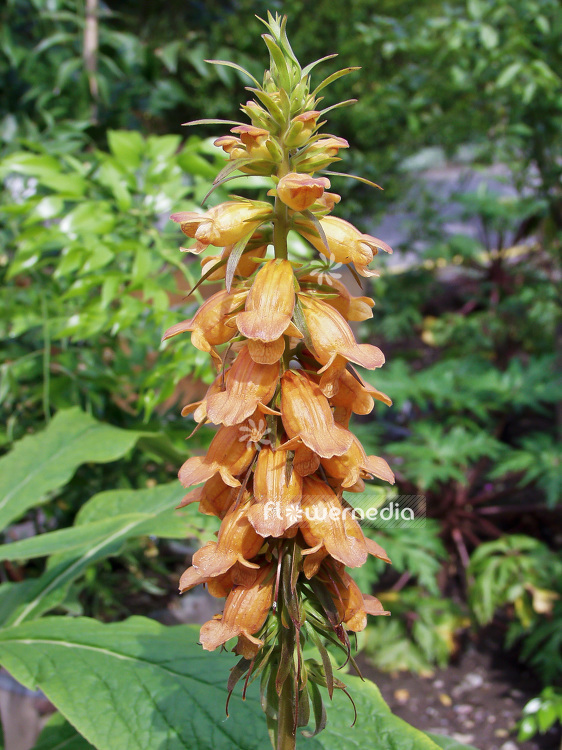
(138, 684)
(40, 464)
(102, 526)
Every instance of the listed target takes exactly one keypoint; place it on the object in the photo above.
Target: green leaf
(40, 464)
(133, 685)
(127, 146)
(58, 734)
(138, 684)
(103, 525)
(446, 743)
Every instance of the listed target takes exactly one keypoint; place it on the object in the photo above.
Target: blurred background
(459, 118)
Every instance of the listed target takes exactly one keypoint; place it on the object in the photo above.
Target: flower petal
(270, 303)
(277, 495)
(306, 414)
(326, 522)
(247, 384)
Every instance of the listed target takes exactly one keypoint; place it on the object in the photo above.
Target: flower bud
(301, 129)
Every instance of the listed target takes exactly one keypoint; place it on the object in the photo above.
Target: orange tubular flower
(248, 386)
(237, 542)
(307, 417)
(354, 463)
(231, 452)
(299, 191)
(334, 344)
(346, 244)
(350, 307)
(352, 606)
(224, 224)
(209, 326)
(214, 497)
(277, 494)
(355, 396)
(268, 312)
(326, 525)
(244, 613)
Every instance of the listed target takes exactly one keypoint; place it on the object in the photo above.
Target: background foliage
(93, 159)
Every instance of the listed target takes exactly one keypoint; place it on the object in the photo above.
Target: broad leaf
(40, 464)
(102, 527)
(138, 684)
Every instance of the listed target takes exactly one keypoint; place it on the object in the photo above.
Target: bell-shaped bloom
(277, 494)
(245, 612)
(214, 497)
(246, 265)
(346, 244)
(307, 417)
(231, 452)
(355, 396)
(237, 542)
(221, 585)
(209, 326)
(268, 311)
(255, 140)
(270, 302)
(248, 385)
(326, 523)
(352, 606)
(334, 344)
(313, 560)
(355, 464)
(199, 408)
(224, 224)
(232, 146)
(300, 191)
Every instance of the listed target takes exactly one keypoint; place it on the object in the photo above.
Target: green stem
(280, 229)
(285, 734)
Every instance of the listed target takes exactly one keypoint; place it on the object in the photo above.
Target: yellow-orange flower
(320, 154)
(214, 497)
(307, 417)
(334, 344)
(354, 463)
(244, 613)
(237, 542)
(301, 128)
(209, 326)
(224, 224)
(327, 524)
(352, 606)
(268, 311)
(231, 452)
(277, 494)
(248, 385)
(350, 307)
(300, 191)
(346, 244)
(245, 266)
(356, 396)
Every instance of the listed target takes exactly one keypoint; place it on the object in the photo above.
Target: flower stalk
(285, 391)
